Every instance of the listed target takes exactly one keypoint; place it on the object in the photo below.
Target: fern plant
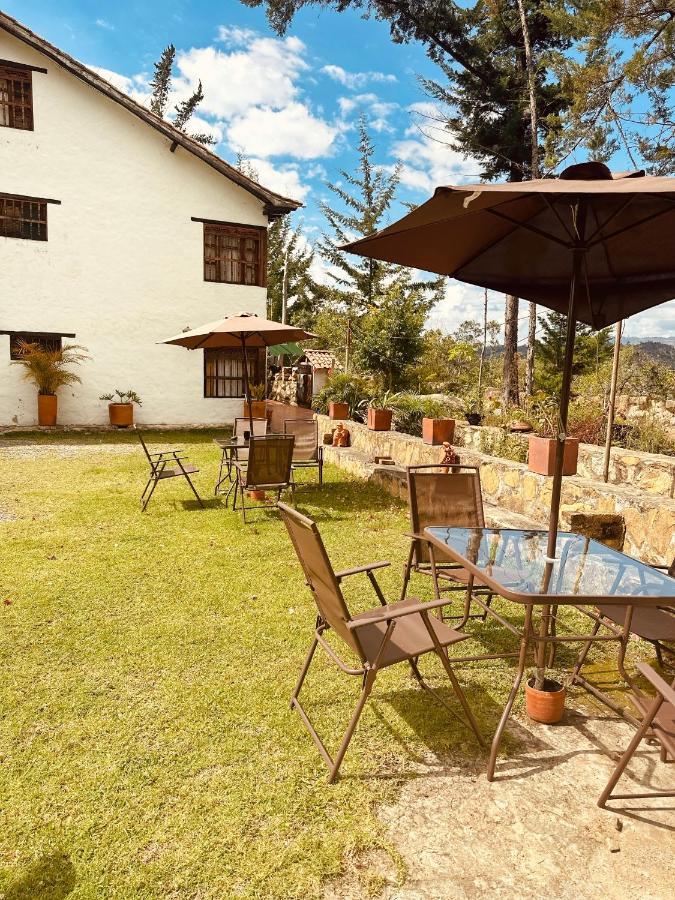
(49, 369)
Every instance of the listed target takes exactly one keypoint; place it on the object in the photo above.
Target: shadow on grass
(50, 878)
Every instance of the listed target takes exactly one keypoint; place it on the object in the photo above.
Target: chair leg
(243, 502)
(194, 490)
(460, 696)
(152, 491)
(406, 571)
(320, 472)
(488, 603)
(625, 759)
(583, 653)
(145, 489)
(368, 681)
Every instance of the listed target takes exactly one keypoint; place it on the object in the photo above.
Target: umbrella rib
(533, 228)
(610, 217)
(625, 228)
(557, 215)
(201, 342)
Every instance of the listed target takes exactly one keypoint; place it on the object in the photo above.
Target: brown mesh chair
(166, 464)
(268, 468)
(438, 495)
(307, 452)
(380, 637)
(658, 718)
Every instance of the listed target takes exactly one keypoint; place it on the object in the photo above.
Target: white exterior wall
(123, 264)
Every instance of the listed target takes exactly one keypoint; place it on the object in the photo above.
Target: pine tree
(591, 350)
(289, 279)
(161, 88)
(360, 285)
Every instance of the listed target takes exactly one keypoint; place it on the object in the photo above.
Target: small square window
(235, 254)
(49, 342)
(23, 218)
(16, 98)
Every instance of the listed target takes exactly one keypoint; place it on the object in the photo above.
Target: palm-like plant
(48, 369)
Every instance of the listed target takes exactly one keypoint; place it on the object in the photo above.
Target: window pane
(224, 373)
(16, 98)
(232, 254)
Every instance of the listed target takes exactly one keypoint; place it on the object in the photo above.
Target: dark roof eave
(275, 204)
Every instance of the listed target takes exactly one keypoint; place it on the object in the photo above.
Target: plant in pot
(121, 407)
(542, 445)
(48, 370)
(545, 697)
(473, 409)
(380, 411)
(341, 395)
(258, 405)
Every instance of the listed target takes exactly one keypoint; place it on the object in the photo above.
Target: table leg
(522, 658)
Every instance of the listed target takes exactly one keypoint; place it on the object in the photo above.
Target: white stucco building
(116, 231)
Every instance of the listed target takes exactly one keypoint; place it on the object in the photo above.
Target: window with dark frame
(23, 218)
(16, 98)
(224, 372)
(49, 342)
(235, 254)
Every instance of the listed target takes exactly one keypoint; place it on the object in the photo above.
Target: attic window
(23, 218)
(16, 98)
(235, 254)
(45, 340)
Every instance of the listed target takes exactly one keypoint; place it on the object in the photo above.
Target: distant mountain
(650, 339)
(662, 351)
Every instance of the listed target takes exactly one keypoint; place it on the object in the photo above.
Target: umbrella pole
(612, 401)
(247, 391)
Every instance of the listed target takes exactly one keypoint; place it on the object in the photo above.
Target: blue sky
(288, 104)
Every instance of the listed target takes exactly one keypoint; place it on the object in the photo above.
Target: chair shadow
(209, 503)
(50, 877)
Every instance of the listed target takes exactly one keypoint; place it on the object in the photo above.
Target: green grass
(147, 745)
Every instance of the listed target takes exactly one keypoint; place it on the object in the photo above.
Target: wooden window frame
(34, 337)
(19, 80)
(256, 366)
(29, 213)
(235, 229)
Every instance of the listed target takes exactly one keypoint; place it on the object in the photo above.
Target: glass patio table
(513, 564)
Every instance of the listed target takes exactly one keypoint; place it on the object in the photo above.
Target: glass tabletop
(231, 443)
(514, 562)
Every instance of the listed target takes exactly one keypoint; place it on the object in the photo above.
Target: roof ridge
(276, 204)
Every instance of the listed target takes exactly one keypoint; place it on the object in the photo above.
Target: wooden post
(482, 349)
(612, 399)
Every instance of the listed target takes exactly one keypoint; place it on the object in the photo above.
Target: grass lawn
(147, 746)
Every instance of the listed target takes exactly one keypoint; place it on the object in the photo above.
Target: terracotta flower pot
(379, 419)
(258, 409)
(338, 410)
(47, 404)
(256, 495)
(435, 431)
(541, 455)
(121, 414)
(548, 705)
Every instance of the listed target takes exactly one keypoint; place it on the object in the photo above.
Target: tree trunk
(483, 346)
(531, 336)
(511, 393)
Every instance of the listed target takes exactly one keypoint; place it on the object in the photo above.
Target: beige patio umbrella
(244, 330)
(597, 246)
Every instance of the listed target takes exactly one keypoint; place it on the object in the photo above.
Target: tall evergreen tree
(289, 280)
(591, 350)
(161, 88)
(360, 285)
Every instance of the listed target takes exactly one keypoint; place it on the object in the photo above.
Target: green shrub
(502, 444)
(649, 436)
(409, 410)
(342, 388)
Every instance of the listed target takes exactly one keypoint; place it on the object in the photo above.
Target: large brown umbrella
(245, 331)
(596, 246)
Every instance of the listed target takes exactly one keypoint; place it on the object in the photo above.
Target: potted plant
(258, 404)
(338, 410)
(48, 370)
(380, 412)
(545, 698)
(542, 445)
(473, 410)
(438, 431)
(121, 407)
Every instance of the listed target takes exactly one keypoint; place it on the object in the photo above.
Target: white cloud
(102, 23)
(234, 36)
(378, 111)
(135, 86)
(291, 131)
(284, 179)
(657, 323)
(264, 74)
(426, 158)
(355, 80)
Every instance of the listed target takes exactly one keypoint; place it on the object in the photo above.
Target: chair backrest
(306, 433)
(144, 446)
(608, 528)
(437, 496)
(319, 574)
(242, 424)
(269, 460)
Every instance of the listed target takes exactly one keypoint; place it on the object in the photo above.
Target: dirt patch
(536, 831)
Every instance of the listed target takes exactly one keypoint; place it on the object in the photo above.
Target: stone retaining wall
(650, 517)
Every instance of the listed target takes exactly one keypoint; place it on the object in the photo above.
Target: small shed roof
(322, 359)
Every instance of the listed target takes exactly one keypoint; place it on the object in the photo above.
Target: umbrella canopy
(596, 246)
(232, 330)
(245, 331)
(518, 238)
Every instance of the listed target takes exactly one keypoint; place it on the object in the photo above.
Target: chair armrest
(386, 616)
(666, 691)
(416, 537)
(359, 569)
(166, 452)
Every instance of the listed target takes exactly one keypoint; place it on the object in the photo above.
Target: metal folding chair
(307, 451)
(658, 718)
(380, 637)
(165, 464)
(267, 468)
